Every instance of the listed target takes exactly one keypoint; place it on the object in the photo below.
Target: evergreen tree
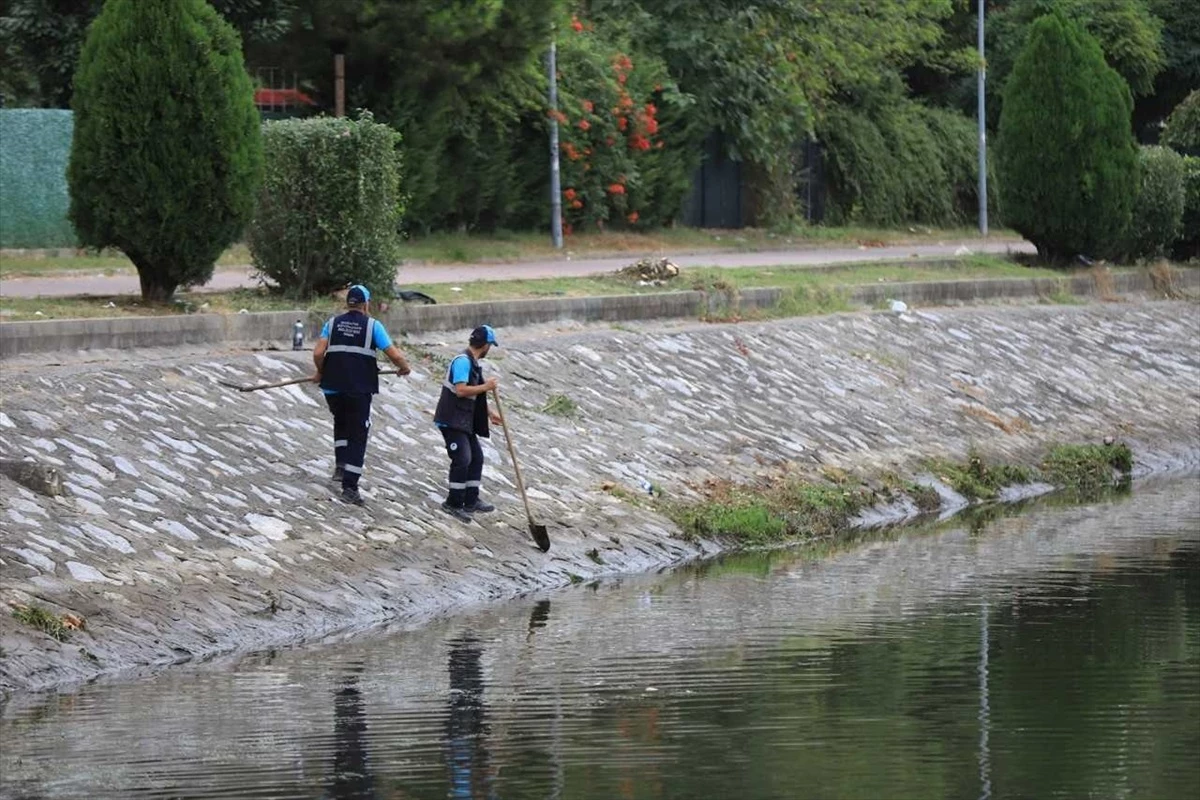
(167, 153)
(1067, 161)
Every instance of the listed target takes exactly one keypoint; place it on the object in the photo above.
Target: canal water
(1049, 653)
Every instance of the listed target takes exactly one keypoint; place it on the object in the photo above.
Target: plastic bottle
(298, 336)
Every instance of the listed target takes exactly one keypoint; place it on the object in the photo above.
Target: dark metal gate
(716, 197)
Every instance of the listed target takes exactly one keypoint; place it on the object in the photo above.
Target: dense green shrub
(1182, 130)
(1188, 245)
(897, 161)
(1067, 161)
(167, 155)
(330, 206)
(1158, 205)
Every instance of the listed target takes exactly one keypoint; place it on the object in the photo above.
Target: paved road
(235, 277)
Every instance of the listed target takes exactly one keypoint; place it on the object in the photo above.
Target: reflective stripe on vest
(367, 349)
(447, 383)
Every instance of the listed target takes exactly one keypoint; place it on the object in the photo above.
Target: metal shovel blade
(538, 532)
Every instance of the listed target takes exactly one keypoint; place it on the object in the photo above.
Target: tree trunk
(156, 288)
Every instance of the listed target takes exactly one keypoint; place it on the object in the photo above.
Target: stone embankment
(200, 521)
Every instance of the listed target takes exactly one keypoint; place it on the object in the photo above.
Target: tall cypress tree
(1067, 161)
(167, 153)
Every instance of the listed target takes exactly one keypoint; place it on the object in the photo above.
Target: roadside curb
(24, 338)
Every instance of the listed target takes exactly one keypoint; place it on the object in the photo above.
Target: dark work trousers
(351, 424)
(466, 467)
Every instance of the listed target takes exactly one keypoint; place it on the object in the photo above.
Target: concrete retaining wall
(936, 292)
(122, 333)
(21, 338)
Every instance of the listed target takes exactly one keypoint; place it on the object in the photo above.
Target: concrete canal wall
(199, 521)
(122, 333)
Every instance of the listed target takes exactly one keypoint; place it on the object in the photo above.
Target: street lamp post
(556, 232)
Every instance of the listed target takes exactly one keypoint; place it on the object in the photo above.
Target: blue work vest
(350, 365)
(466, 414)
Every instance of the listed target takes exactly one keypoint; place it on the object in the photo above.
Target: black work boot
(338, 474)
(350, 495)
(479, 507)
(457, 512)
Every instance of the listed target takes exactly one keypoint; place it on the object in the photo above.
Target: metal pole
(983, 209)
(339, 85)
(556, 233)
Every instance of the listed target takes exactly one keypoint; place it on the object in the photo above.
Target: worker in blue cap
(348, 370)
(462, 415)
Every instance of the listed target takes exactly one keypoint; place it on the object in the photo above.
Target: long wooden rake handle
(277, 384)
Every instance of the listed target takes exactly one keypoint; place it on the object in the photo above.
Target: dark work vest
(466, 414)
(350, 365)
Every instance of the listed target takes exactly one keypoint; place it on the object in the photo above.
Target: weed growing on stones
(926, 498)
(894, 487)
(42, 620)
(1087, 467)
(1165, 281)
(978, 480)
(559, 405)
(621, 493)
(749, 522)
(788, 508)
(784, 509)
(1061, 297)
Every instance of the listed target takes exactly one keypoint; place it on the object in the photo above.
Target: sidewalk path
(237, 277)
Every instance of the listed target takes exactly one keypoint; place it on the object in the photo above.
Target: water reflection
(1055, 654)
(466, 723)
(352, 778)
(985, 711)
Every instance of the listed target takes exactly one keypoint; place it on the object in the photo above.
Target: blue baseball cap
(484, 335)
(357, 294)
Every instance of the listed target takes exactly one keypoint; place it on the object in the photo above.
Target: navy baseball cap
(357, 295)
(484, 335)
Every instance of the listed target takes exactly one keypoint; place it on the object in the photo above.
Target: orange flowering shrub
(612, 138)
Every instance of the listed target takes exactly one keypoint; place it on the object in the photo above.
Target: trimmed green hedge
(33, 178)
(330, 206)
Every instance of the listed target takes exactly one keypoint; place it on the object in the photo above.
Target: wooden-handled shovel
(276, 385)
(538, 532)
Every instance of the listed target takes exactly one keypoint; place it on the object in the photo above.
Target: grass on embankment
(41, 308)
(105, 262)
(806, 290)
(459, 248)
(789, 508)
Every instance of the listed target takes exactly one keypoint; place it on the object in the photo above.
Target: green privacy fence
(35, 144)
